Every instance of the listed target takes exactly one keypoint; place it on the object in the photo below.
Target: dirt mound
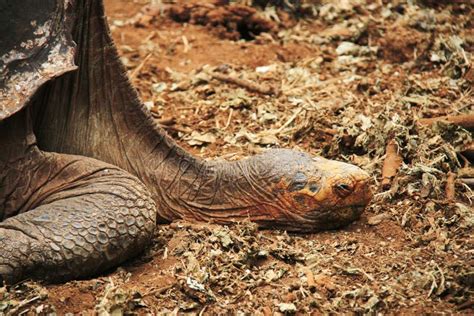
(401, 44)
(229, 21)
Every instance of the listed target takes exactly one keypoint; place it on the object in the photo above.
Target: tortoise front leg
(77, 217)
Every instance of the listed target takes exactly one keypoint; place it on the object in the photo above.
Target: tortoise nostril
(343, 189)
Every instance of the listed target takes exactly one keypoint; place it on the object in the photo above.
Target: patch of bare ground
(351, 82)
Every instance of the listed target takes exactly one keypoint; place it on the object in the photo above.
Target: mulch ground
(348, 80)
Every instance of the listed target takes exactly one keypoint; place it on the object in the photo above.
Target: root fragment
(450, 187)
(251, 86)
(465, 120)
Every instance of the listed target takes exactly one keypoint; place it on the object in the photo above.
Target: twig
(176, 128)
(392, 162)
(202, 310)
(187, 47)
(251, 86)
(166, 121)
(468, 181)
(450, 188)
(180, 225)
(465, 120)
(228, 119)
(442, 281)
(290, 120)
(329, 131)
(434, 285)
(159, 290)
(139, 67)
(24, 303)
(149, 37)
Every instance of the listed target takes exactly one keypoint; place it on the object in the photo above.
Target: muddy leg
(75, 217)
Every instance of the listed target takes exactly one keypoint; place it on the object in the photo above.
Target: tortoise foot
(75, 217)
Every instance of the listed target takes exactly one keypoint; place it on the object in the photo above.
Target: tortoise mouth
(316, 219)
(335, 217)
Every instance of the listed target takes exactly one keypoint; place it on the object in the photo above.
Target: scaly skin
(86, 217)
(66, 215)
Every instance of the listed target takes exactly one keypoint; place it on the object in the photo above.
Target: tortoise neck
(219, 192)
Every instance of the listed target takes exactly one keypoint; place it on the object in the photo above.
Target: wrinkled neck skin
(225, 192)
(95, 112)
(220, 192)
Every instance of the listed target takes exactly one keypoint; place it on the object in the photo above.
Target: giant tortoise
(85, 173)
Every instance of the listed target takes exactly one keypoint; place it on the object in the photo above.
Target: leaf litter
(350, 80)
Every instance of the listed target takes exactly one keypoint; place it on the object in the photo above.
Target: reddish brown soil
(377, 258)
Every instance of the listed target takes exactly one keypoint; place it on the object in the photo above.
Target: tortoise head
(312, 193)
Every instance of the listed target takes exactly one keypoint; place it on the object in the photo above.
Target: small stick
(290, 120)
(228, 119)
(23, 304)
(166, 121)
(149, 37)
(329, 131)
(450, 188)
(465, 120)
(179, 225)
(175, 128)
(392, 162)
(251, 86)
(468, 181)
(159, 290)
(139, 67)
(186, 44)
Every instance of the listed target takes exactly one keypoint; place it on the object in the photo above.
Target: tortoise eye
(313, 187)
(343, 189)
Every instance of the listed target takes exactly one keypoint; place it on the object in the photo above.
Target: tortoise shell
(35, 46)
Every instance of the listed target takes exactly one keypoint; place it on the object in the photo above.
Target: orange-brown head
(310, 193)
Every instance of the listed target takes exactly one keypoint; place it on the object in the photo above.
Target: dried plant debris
(23, 298)
(367, 82)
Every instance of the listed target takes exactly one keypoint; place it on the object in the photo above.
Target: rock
(287, 308)
(347, 48)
